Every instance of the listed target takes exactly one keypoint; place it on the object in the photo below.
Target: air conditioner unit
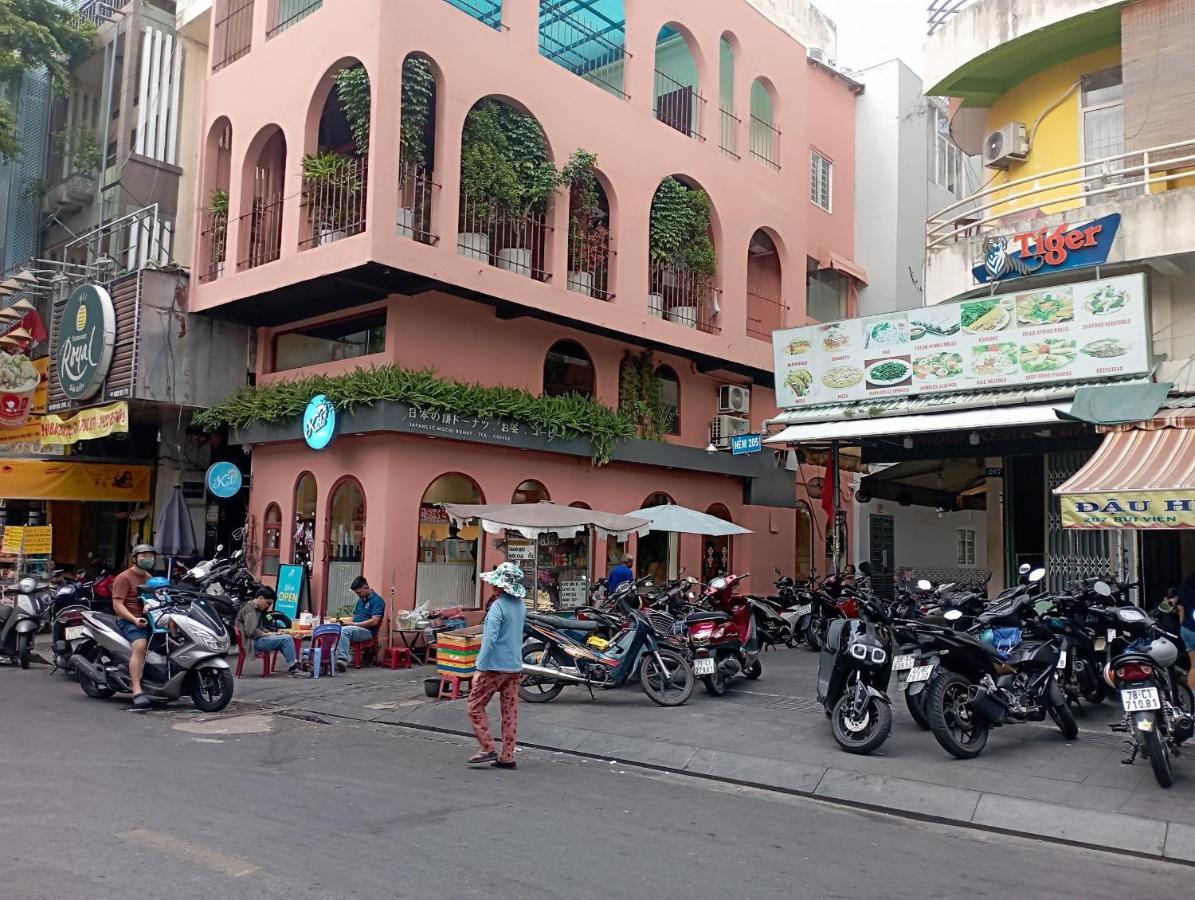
(1001, 147)
(734, 399)
(817, 54)
(723, 428)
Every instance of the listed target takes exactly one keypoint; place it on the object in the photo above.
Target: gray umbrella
(175, 535)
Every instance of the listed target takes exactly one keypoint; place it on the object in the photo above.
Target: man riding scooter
(130, 614)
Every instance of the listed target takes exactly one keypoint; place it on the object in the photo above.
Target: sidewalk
(771, 733)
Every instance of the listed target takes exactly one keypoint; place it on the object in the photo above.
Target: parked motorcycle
(21, 621)
(853, 676)
(227, 584)
(553, 659)
(67, 631)
(725, 639)
(827, 602)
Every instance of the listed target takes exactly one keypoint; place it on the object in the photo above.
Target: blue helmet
(155, 584)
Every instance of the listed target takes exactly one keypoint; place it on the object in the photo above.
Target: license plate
(900, 663)
(1100, 643)
(799, 611)
(1136, 699)
(1061, 660)
(74, 632)
(1111, 633)
(920, 673)
(703, 666)
(597, 642)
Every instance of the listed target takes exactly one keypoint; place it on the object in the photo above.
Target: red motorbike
(725, 640)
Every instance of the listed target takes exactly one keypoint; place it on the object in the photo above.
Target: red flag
(32, 322)
(828, 490)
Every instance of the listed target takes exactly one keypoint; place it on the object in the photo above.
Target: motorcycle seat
(706, 617)
(107, 618)
(563, 624)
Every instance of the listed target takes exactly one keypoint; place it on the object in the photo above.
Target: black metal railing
(683, 296)
(97, 12)
(507, 240)
(488, 12)
(285, 13)
(213, 236)
(679, 106)
(765, 142)
(589, 262)
(233, 34)
(416, 193)
(335, 203)
(728, 139)
(261, 232)
(583, 51)
(764, 315)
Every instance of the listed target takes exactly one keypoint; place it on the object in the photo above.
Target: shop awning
(683, 520)
(1140, 478)
(36, 479)
(900, 426)
(533, 519)
(1114, 404)
(940, 483)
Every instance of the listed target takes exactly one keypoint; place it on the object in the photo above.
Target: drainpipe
(836, 495)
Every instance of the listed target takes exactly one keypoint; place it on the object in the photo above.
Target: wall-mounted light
(908, 443)
(973, 439)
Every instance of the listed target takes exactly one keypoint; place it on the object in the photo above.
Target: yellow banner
(33, 540)
(24, 434)
(1130, 509)
(86, 425)
(37, 479)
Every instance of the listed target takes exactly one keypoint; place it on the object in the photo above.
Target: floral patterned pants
(485, 685)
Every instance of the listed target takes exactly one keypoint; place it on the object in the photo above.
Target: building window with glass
(568, 370)
(966, 546)
(825, 294)
(948, 162)
(1103, 133)
(330, 341)
(272, 545)
(820, 180)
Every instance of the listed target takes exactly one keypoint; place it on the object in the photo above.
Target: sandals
(481, 759)
(140, 701)
(499, 764)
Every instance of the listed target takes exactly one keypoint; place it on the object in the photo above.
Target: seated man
(259, 636)
(367, 618)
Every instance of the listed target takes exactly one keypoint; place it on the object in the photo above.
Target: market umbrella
(671, 517)
(175, 533)
(533, 519)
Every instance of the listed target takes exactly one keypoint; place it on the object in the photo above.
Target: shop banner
(1087, 331)
(290, 589)
(1129, 509)
(87, 425)
(36, 479)
(33, 540)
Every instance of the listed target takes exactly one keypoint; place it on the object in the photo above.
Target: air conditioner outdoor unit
(817, 54)
(1001, 147)
(723, 428)
(734, 399)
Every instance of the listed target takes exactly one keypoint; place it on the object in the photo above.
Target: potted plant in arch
(487, 179)
(588, 239)
(418, 95)
(218, 229)
(534, 182)
(80, 148)
(334, 183)
(681, 252)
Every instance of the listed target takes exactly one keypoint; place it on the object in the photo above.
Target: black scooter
(21, 621)
(853, 676)
(67, 631)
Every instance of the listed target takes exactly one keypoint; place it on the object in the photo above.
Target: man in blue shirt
(367, 619)
(620, 574)
(499, 666)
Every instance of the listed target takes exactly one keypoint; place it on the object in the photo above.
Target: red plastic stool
(451, 686)
(398, 658)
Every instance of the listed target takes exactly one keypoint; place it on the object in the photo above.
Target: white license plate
(920, 673)
(1100, 643)
(900, 663)
(1111, 633)
(703, 666)
(1061, 660)
(799, 611)
(74, 632)
(1137, 699)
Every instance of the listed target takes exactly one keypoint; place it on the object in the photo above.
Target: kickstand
(590, 689)
(1133, 751)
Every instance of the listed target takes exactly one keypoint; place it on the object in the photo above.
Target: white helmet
(1163, 652)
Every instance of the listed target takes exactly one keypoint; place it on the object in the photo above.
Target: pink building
(363, 230)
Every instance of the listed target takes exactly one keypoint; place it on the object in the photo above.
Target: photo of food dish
(887, 372)
(938, 366)
(798, 347)
(1106, 300)
(887, 333)
(799, 381)
(835, 336)
(17, 374)
(1047, 307)
(934, 322)
(993, 360)
(842, 377)
(1106, 348)
(984, 316)
(1047, 356)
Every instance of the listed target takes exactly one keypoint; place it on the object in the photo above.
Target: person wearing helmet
(130, 614)
(1186, 618)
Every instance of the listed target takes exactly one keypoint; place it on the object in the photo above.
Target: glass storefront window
(330, 341)
(303, 536)
(447, 567)
(272, 545)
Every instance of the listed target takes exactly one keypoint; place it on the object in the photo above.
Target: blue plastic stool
(324, 641)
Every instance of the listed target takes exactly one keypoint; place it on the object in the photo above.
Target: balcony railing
(765, 143)
(97, 12)
(679, 106)
(335, 204)
(728, 140)
(213, 236)
(939, 12)
(589, 261)
(503, 239)
(683, 296)
(764, 315)
(581, 50)
(416, 194)
(233, 34)
(488, 12)
(1056, 190)
(285, 13)
(261, 228)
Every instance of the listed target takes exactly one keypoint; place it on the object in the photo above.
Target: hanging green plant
(504, 161)
(565, 417)
(353, 95)
(80, 146)
(418, 97)
(679, 229)
(640, 395)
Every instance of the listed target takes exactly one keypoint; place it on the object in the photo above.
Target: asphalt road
(104, 803)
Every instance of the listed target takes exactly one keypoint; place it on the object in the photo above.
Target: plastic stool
(397, 658)
(451, 686)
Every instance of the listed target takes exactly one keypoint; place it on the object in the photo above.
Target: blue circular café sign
(224, 480)
(319, 422)
(84, 340)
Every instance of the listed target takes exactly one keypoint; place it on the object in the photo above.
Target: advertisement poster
(32, 540)
(290, 590)
(1074, 332)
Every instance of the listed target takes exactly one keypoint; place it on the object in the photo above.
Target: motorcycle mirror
(238, 554)
(219, 547)
(1036, 575)
(1024, 569)
(953, 615)
(1102, 589)
(691, 580)
(924, 585)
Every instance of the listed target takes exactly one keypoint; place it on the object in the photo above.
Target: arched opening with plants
(729, 122)
(587, 37)
(684, 263)
(213, 223)
(335, 167)
(262, 198)
(568, 370)
(417, 186)
(507, 184)
(657, 553)
(765, 136)
(589, 241)
(765, 297)
(641, 394)
(678, 100)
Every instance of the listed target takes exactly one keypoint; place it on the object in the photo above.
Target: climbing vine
(639, 395)
(418, 95)
(352, 93)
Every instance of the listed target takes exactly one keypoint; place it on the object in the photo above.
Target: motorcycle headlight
(859, 651)
(26, 585)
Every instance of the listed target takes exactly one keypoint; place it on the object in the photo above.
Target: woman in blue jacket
(499, 666)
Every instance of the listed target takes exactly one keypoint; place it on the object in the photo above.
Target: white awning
(899, 426)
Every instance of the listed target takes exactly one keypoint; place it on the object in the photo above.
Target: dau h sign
(83, 344)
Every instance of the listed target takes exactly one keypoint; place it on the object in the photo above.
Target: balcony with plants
(335, 175)
(418, 190)
(684, 263)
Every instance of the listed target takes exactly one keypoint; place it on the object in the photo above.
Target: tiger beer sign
(1047, 250)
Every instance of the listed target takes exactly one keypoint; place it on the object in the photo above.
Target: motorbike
(725, 640)
(21, 621)
(784, 607)
(227, 584)
(186, 654)
(1069, 617)
(832, 600)
(67, 632)
(853, 676)
(553, 659)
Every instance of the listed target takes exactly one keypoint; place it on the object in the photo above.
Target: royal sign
(1048, 250)
(319, 422)
(84, 340)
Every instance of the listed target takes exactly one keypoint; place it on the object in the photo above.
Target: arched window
(568, 370)
(729, 128)
(715, 550)
(587, 38)
(271, 548)
(303, 535)
(345, 536)
(765, 137)
(417, 148)
(682, 250)
(261, 198)
(669, 398)
(765, 303)
(530, 491)
(214, 218)
(678, 100)
(446, 572)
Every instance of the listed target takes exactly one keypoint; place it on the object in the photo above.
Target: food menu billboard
(1084, 331)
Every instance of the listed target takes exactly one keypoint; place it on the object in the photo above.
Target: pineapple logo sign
(84, 341)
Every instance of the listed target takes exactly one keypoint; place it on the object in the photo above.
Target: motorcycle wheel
(1092, 685)
(211, 689)
(1065, 720)
(1159, 758)
(715, 685)
(24, 650)
(667, 688)
(533, 689)
(815, 633)
(959, 730)
(1183, 697)
(864, 736)
(916, 706)
(753, 671)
